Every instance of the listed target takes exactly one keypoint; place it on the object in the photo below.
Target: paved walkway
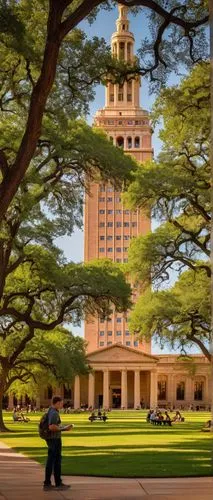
(22, 478)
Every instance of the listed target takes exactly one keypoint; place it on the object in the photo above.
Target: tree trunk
(3, 427)
(211, 161)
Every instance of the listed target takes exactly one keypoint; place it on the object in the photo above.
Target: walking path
(21, 479)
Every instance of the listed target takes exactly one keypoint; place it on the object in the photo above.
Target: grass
(126, 446)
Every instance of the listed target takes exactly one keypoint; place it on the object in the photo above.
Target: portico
(121, 378)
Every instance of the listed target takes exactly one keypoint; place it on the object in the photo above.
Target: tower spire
(122, 22)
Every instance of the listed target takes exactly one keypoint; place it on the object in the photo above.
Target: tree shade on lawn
(126, 446)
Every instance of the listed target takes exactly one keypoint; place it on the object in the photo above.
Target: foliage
(178, 317)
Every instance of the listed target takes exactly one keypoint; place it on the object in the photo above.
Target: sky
(104, 26)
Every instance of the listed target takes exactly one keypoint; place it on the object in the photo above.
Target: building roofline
(102, 349)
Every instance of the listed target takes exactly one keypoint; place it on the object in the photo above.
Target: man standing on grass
(53, 464)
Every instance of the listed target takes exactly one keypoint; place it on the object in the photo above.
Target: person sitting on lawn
(178, 417)
(24, 419)
(167, 419)
(154, 418)
(207, 426)
(16, 416)
(149, 415)
(99, 413)
(104, 417)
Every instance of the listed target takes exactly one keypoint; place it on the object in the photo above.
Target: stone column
(136, 388)
(77, 392)
(91, 390)
(124, 389)
(188, 391)
(171, 396)
(153, 389)
(106, 389)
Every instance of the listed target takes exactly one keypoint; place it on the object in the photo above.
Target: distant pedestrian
(53, 464)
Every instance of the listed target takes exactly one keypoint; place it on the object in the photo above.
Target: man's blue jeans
(53, 464)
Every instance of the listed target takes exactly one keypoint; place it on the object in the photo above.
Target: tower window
(111, 97)
(129, 97)
(121, 50)
(137, 142)
(123, 26)
(120, 96)
(129, 142)
(120, 142)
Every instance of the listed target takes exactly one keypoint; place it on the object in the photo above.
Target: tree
(185, 22)
(49, 358)
(178, 317)
(176, 187)
(43, 293)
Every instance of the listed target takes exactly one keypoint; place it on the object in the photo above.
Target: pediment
(120, 353)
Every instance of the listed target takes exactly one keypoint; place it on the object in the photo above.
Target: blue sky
(104, 26)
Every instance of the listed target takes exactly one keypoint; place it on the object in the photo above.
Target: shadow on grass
(193, 458)
(129, 461)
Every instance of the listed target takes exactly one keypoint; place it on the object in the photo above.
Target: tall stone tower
(108, 226)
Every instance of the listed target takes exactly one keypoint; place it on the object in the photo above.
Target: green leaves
(179, 317)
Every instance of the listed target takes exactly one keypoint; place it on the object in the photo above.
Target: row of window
(110, 249)
(118, 224)
(118, 320)
(128, 343)
(109, 333)
(130, 143)
(124, 122)
(117, 212)
(118, 238)
(180, 391)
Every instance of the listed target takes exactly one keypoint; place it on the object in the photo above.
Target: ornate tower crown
(122, 22)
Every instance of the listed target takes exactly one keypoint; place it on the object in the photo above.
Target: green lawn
(126, 446)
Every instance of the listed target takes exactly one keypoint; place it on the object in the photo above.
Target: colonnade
(124, 389)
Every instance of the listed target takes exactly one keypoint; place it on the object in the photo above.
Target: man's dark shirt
(54, 418)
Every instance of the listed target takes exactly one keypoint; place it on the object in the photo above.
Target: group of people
(98, 416)
(156, 417)
(18, 416)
